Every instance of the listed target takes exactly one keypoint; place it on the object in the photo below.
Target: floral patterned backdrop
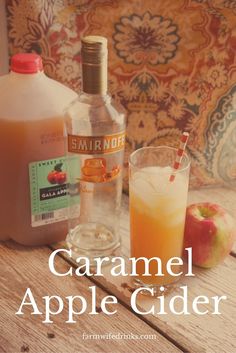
(171, 65)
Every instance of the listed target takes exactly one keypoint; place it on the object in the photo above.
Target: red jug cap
(26, 63)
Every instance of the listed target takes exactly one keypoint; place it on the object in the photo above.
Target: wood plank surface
(194, 333)
(26, 267)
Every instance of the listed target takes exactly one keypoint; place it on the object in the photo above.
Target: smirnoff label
(96, 144)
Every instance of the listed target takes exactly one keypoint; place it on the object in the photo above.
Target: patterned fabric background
(171, 65)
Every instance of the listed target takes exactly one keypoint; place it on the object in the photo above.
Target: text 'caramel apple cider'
(96, 139)
(33, 205)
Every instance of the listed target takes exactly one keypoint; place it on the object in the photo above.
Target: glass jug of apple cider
(33, 204)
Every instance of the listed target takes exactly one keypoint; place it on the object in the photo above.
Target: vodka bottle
(95, 145)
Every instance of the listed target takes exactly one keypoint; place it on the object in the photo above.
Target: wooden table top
(23, 267)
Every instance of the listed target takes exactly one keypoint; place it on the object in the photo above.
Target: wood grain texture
(194, 333)
(27, 267)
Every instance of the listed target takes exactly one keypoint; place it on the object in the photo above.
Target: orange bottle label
(95, 170)
(96, 144)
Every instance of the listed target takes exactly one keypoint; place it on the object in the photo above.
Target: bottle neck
(94, 78)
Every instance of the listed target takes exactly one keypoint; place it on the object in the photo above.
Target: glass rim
(157, 148)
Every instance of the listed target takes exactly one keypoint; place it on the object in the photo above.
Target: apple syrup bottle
(96, 139)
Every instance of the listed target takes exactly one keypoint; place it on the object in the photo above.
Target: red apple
(210, 232)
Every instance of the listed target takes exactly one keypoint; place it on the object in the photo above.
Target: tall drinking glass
(157, 213)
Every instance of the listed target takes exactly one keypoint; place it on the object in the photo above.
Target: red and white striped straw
(179, 155)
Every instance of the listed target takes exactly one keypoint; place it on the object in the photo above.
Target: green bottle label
(49, 191)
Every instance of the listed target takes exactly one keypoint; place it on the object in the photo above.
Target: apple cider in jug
(33, 205)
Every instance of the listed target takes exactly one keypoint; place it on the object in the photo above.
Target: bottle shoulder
(96, 108)
(45, 97)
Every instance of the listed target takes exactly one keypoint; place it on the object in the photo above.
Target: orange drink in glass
(157, 212)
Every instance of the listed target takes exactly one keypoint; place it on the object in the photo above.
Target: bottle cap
(94, 49)
(94, 64)
(26, 63)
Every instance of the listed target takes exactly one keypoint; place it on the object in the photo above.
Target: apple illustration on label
(57, 176)
(210, 231)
